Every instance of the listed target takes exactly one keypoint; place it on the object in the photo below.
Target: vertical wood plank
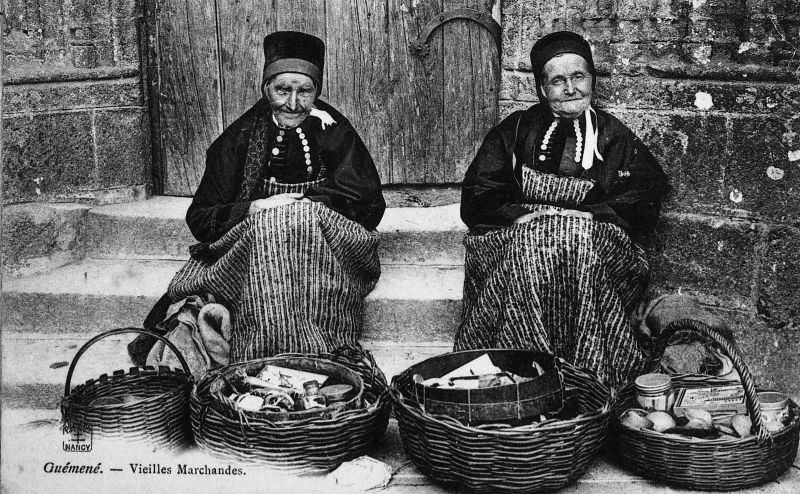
(190, 117)
(357, 72)
(415, 98)
(2, 180)
(151, 49)
(307, 16)
(242, 28)
(488, 56)
(471, 67)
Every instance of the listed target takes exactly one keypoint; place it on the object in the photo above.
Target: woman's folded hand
(553, 212)
(274, 202)
(577, 214)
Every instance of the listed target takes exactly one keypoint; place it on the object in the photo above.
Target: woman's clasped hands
(275, 201)
(553, 212)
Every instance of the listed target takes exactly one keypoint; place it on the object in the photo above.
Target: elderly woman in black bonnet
(552, 199)
(285, 215)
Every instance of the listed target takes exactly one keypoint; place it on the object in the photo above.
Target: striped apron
(294, 278)
(557, 284)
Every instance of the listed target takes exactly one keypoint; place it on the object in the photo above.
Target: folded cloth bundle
(201, 330)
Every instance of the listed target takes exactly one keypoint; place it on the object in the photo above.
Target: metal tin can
(774, 409)
(654, 392)
(336, 393)
(312, 398)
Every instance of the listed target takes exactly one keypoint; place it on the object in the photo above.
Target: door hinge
(419, 47)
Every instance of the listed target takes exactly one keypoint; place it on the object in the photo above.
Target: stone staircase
(132, 251)
(128, 255)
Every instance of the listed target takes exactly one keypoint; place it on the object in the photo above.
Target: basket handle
(709, 333)
(112, 332)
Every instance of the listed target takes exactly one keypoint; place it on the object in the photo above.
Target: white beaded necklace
(549, 133)
(578, 140)
(276, 151)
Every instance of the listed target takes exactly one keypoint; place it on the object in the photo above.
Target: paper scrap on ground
(364, 473)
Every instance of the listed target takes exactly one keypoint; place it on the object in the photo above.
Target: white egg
(661, 421)
(698, 413)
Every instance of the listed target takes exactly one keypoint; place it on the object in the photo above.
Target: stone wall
(75, 121)
(712, 87)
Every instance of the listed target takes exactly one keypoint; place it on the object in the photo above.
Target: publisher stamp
(77, 439)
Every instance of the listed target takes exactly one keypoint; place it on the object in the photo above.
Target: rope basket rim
(244, 418)
(400, 399)
(122, 376)
(230, 411)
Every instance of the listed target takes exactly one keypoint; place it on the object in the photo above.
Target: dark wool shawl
(351, 183)
(630, 183)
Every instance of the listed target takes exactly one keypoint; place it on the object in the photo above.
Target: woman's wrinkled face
(291, 96)
(567, 85)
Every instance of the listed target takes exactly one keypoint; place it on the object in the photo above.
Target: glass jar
(654, 392)
(774, 410)
(312, 398)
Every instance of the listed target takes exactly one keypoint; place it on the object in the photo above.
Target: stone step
(35, 366)
(38, 237)
(409, 303)
(156, 229)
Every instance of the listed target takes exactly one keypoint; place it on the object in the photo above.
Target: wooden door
(422, 117)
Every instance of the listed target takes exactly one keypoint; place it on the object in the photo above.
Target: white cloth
(590, 141)
(201, 332)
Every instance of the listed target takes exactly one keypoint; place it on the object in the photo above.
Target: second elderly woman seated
(550, 199)
(286, 212)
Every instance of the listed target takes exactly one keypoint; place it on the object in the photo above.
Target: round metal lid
(772, 400)
(336, 392)
(653, 382)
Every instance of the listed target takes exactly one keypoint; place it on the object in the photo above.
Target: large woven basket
(145, 404)
(501, 458)
(709, 464)
(309, 445)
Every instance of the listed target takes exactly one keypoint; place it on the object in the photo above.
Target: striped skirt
(294, 278)
(557, 284)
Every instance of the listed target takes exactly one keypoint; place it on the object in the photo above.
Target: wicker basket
(708, 464)
(145, 404)
(501, 458)
(309, 445)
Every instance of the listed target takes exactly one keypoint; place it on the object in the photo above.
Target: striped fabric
(557, 284)
(294, 277)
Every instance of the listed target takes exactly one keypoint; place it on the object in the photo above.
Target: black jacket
(630, 183)
(352, 186)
